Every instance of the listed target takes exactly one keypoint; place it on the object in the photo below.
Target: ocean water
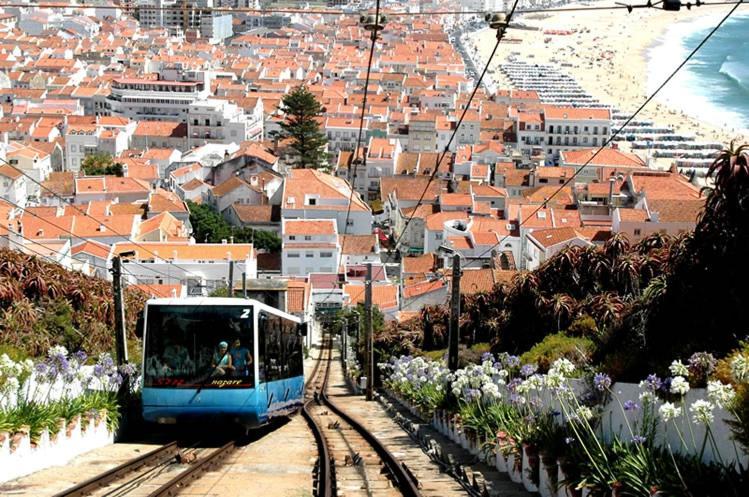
(714, 85)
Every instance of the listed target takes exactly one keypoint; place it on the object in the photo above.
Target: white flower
(702, 411)
(679, 385)
(669, 411)
(563, 366)
(720, 394)
(647, 396)
(491, 391)
(740, 368)
(678, 368)
(585, 412)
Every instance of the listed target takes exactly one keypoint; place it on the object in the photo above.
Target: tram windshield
(199, 347)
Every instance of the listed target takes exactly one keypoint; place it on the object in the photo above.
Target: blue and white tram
(227, 358)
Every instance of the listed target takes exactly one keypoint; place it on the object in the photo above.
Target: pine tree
(307, 139)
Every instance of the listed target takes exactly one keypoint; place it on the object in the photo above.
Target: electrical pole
(244, 285)
(231, 279)
(120, 337)
(369, 359)
(452, 354)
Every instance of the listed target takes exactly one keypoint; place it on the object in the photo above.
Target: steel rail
(155, 457)
(400, 474)
(324, 485)
(195, 471)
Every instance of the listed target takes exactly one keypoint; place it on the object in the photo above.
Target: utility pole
(452, 350)
(120, 337)
(369, 359)
(244, 284)
(231, 278)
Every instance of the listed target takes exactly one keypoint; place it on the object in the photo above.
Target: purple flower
(80, 356)
(513, 384)
(98, 371)
(666, 385)
(528, 369)
(512, 361)
(631, 405)
(638, 439)
(602, 381)
(486, 356)
(701, 365)
(41, 368)
(128, 369)
(652, 383)
(115, 380)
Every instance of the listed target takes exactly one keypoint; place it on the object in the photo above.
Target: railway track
(351, 460)
(159, 473)
(168, 469)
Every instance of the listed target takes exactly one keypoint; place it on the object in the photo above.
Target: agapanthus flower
(678, 368)
(720, 394)
(601, 381)
(639, 439)
(563, 366)
(528, 369)
(57, 352)
(702, 411)
(701, 365)
(669, 411)
(679, 385)
(631, 405)
(584, 412)
(652, 383)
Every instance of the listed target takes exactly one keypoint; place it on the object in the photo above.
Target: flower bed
(570, 430)
(55, 408)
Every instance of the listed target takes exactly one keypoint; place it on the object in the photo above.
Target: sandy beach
(608, 52)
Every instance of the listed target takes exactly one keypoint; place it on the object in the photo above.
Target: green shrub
(557, 346)
(584, 326)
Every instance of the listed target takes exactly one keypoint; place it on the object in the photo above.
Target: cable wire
(440, 158)
(619, 130)
(271, 11)
(352, 178)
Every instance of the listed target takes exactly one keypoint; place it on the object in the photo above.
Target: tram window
(270, 328)
(282, 348)
(205, 346)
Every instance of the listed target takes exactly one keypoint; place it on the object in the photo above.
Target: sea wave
(736, 71)
(702, 88)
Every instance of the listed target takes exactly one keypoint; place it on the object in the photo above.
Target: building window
(638, 231)
(326, 255)
(293, 256)
(312, 201)
(604, 130)
(308, 237)
(292, 237)
(309, 255)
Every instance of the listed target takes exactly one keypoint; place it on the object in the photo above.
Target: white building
(219, 121)
(311, 194)
(309, 246)
(12, 185)
(202, 267)
(156, 100)
(108, 135)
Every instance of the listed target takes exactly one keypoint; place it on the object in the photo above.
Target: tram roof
(222, 301)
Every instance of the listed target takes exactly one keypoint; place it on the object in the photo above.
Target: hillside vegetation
(42, 305)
